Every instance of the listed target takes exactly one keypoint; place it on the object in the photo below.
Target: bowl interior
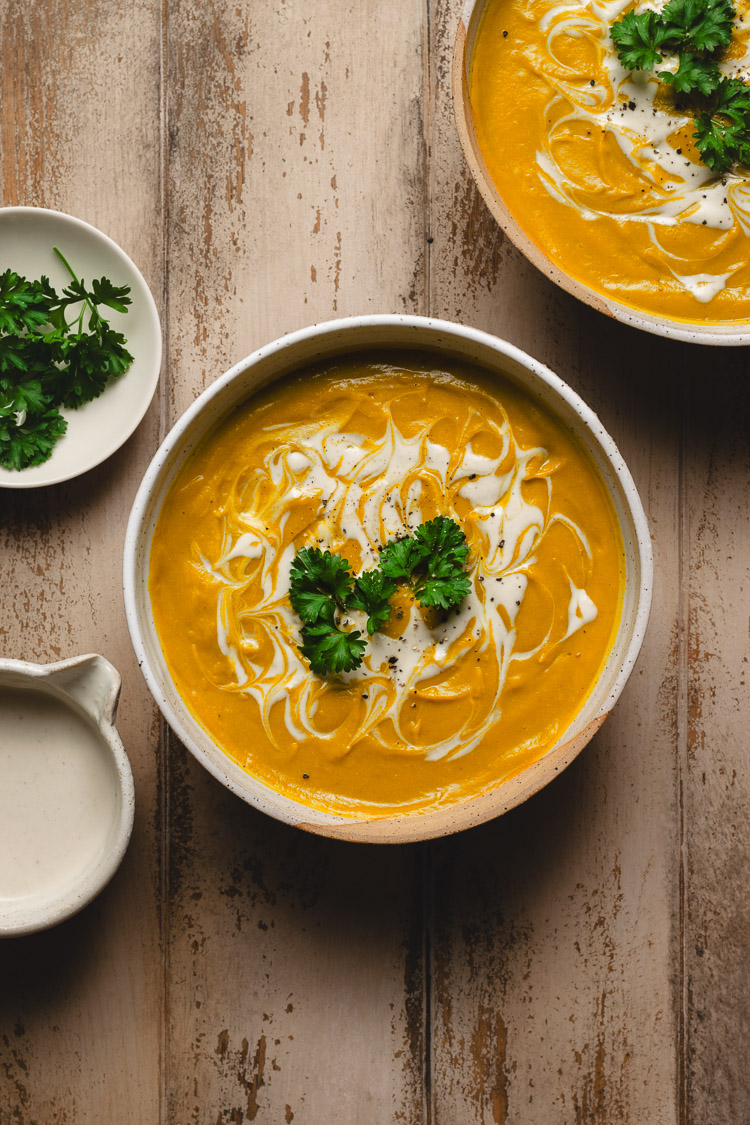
(719, 334)
(328, 341)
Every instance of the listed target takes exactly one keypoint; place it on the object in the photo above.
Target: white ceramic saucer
(96, 430)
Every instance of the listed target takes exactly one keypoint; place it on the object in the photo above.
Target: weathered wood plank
(570, 979)
(716, 752)
(80, 1006)
(555, 934)
(295, 194)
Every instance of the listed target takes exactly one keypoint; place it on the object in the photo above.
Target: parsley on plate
(55, 350)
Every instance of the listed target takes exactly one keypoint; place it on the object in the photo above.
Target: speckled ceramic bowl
(468, 25)
(327, 341)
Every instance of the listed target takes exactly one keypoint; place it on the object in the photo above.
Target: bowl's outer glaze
(336, 338)
(727, 334)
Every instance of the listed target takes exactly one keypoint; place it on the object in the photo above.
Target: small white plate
(96, 430)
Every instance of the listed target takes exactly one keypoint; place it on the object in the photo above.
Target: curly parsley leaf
(638, 37)
(22, 304)
(91, 360)
(442, 539)
(103, 292)
(30, 397)
(330, 649)
(697, 25)
(721, 144)
(444, 591)
(443, 584)
(696, 31)
(722, 132)
(320, 583)
(47, 360)
(319, 572)
(733, 100)
(693, 74)
(433, 562)
(372, 593)
(31, 442)
(400, 558)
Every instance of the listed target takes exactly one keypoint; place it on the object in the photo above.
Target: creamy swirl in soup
(597, 163)
(346, 458)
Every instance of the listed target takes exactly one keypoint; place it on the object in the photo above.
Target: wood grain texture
(80, 1006)
(581, 960)
(556, 928)
(715, 781)
(294, 969)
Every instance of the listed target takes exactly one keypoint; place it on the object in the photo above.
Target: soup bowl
(730, 334)
(329, 341)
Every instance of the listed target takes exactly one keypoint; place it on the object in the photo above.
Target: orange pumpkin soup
(346, 458)
(597, 163)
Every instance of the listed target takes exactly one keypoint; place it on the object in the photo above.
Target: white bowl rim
(718, 335)
(295, 812)
(150, 311)
(71, 899)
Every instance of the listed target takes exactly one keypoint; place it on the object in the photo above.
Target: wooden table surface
(269, 164)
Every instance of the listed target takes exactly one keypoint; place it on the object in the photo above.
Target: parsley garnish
(48, 360)
(330, 649)
(697, 31)
(372, 592)
(696, 28)
(722, 133)
(322, 586)
(638, 38)
(320, 583)
(433, 563)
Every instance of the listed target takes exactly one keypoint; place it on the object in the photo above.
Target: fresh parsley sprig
(48, 359)
(330, 649)
(320, 584)
(638, 37)
(722, 130)
(372, 593)
(698, 26)
(694, 28)
(322, 588)
(433, 563)
(697, 31)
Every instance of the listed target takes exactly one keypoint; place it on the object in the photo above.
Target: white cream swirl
(364, 492)
(675, 189)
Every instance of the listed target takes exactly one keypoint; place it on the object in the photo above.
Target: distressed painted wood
(583, 958)
(80, 1006)
(715, 744)
(295, 185)
(556, 927)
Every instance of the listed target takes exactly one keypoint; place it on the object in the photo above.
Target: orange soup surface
(597, 164)
(346, 458)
